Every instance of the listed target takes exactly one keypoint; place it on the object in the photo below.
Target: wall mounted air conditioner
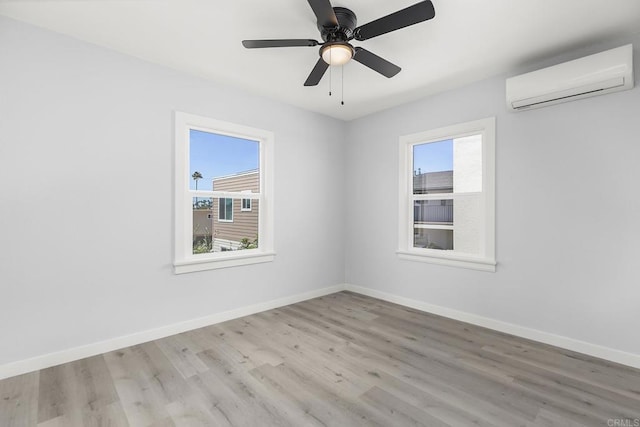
(604, 72)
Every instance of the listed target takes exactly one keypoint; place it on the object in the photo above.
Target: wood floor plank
(383, 355)
(235, 392)
(327, 407)
(576, 393)
(78, 393)
(150, 386)
(19, 400)
(181, 352)
(437, 403)
(109, 415)
(134, 382)
(552, 419)
(487, 402)
(587, 399)
(606, 376)
(400, 411)
(383, 345)
(304, 348)
(222, 401)
(332, 304)
(339, 360)
(246, 352)
(253, 400)
(531, 390)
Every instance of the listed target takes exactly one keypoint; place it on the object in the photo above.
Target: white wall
(568, 212)
(86, 185)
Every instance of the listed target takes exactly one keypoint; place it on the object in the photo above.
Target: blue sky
(216, 155)
(434, 156)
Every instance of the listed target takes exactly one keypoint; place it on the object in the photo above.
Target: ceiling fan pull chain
(342, 84)
(330, 74)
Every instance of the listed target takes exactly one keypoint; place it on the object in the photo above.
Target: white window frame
(242, 208)
(225, 210)
(184, 259)
(485, 261)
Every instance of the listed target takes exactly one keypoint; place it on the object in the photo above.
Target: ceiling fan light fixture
(336, 53)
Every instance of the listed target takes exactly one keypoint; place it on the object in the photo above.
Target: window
(246, 205)
(447, 188)
(222, 170)
(225, 209)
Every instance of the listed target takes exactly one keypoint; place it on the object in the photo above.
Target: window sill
(451, 260)
(222, 261)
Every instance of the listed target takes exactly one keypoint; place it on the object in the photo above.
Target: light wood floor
(341, 360)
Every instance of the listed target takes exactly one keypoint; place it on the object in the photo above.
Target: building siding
(202, 223)
(245, 223)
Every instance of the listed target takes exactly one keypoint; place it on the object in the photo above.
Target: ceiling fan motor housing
(347, 22)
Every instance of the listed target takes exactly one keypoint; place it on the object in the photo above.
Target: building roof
(235, 175)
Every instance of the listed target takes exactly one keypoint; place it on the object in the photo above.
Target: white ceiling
(468, 40)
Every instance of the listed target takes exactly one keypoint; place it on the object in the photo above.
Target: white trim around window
(228, 215)
(484, 258)
(185, 261)
(245, 205)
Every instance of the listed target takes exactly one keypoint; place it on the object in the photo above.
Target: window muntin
(446, 200)
(246, 205)
(221, 168)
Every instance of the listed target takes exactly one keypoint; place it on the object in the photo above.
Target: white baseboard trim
(618, 356)
(57, 358)
(76, 353)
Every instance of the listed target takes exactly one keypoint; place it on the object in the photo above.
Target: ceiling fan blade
(256, 44)
(376, 63)
(324, 12)
(317, 73)
(419, 12)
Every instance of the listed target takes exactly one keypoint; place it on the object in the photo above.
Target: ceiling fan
(338, 26)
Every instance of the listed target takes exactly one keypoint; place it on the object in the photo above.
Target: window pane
(467, 164)
(469, 214)
(432, 238)
(228, 208)
(433, 167)
(225, 209)
(202, 225)
(223, 163)
(433, 212)
(240, 234)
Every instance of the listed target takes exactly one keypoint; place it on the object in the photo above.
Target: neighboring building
(433, 212)
(433, 182)
(235, 219)
(202, 224)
